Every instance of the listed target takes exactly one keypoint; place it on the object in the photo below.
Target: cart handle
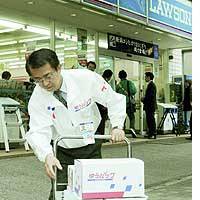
(101, 137)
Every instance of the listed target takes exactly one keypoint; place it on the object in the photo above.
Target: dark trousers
(151, 122)
(67, 157)
(131, 117)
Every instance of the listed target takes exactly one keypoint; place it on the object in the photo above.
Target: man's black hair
(149, 74)
(91, 62)
(122, 74)
(107, 73)
(6, 75)
(42, 57)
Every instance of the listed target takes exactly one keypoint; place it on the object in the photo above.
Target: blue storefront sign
(172, 13)
(136, 6)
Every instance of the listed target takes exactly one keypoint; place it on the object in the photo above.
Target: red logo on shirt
(103, 88)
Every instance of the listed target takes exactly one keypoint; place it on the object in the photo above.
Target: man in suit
(150, 105)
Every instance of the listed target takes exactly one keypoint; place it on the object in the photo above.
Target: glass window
(17, 40)
(175, 64)
(74, 45)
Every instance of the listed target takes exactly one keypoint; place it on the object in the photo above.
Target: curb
(20, 152)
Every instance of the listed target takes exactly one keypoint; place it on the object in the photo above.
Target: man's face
(147, 78)
(47, 77)
(91, 67)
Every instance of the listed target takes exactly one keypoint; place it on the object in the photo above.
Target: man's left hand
(117, 135)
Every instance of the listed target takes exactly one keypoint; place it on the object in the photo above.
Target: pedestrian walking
(127, 88)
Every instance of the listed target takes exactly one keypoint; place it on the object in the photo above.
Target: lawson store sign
(171, 13)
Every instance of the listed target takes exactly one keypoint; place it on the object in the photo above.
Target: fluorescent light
(8, 43)
(36, 30)
(34, 39)
(17, 63)
(70, 48)
(7, 30)
(154, 30)
(8, 52)
(9, 60)
(10, 24)
(127, 22)
(93, 11)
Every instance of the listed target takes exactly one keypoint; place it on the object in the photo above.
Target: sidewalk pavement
(20, 151)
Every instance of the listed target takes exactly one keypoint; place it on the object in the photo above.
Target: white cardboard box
(109, 178)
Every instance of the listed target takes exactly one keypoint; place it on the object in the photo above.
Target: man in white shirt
(77, 115)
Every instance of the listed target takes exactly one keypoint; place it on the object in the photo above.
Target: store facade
(77, 37)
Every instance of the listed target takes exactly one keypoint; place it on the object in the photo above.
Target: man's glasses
(47, 77)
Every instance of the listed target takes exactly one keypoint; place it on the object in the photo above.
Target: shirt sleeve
(40, 133)
(115, 102)
(40, 142)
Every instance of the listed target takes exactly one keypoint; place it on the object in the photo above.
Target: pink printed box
(109, 178)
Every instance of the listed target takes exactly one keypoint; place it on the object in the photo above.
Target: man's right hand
(50, 162)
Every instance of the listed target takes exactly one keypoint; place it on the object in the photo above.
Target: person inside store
(127, 88)
(187, 103)
(107, 75)
(60, 105)
(6, 75)
(91, 65)
(150, 105)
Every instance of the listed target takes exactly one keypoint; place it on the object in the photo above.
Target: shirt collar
(63, 87)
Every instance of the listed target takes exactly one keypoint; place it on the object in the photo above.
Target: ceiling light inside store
(154, 30)
(127, 22)
(9, 60)
(36, 30)
(10, 24)
(73, 15)
(136, 33)
(8, 53)
(8, 43)
(7, 30)
(93, 11)
(34, 39)
(17, 63)
(110, 25)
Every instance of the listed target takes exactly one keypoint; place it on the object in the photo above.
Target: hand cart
(59, 195)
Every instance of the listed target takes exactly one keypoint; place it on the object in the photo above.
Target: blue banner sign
(132, 46)
(172, 13)
(136, 6)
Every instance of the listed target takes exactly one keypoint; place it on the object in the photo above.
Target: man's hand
(50, 162)
(117, 135)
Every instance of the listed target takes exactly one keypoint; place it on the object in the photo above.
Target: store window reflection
(16, 41)
(72, 48)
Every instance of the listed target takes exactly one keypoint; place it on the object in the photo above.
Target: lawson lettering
(165, 9)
